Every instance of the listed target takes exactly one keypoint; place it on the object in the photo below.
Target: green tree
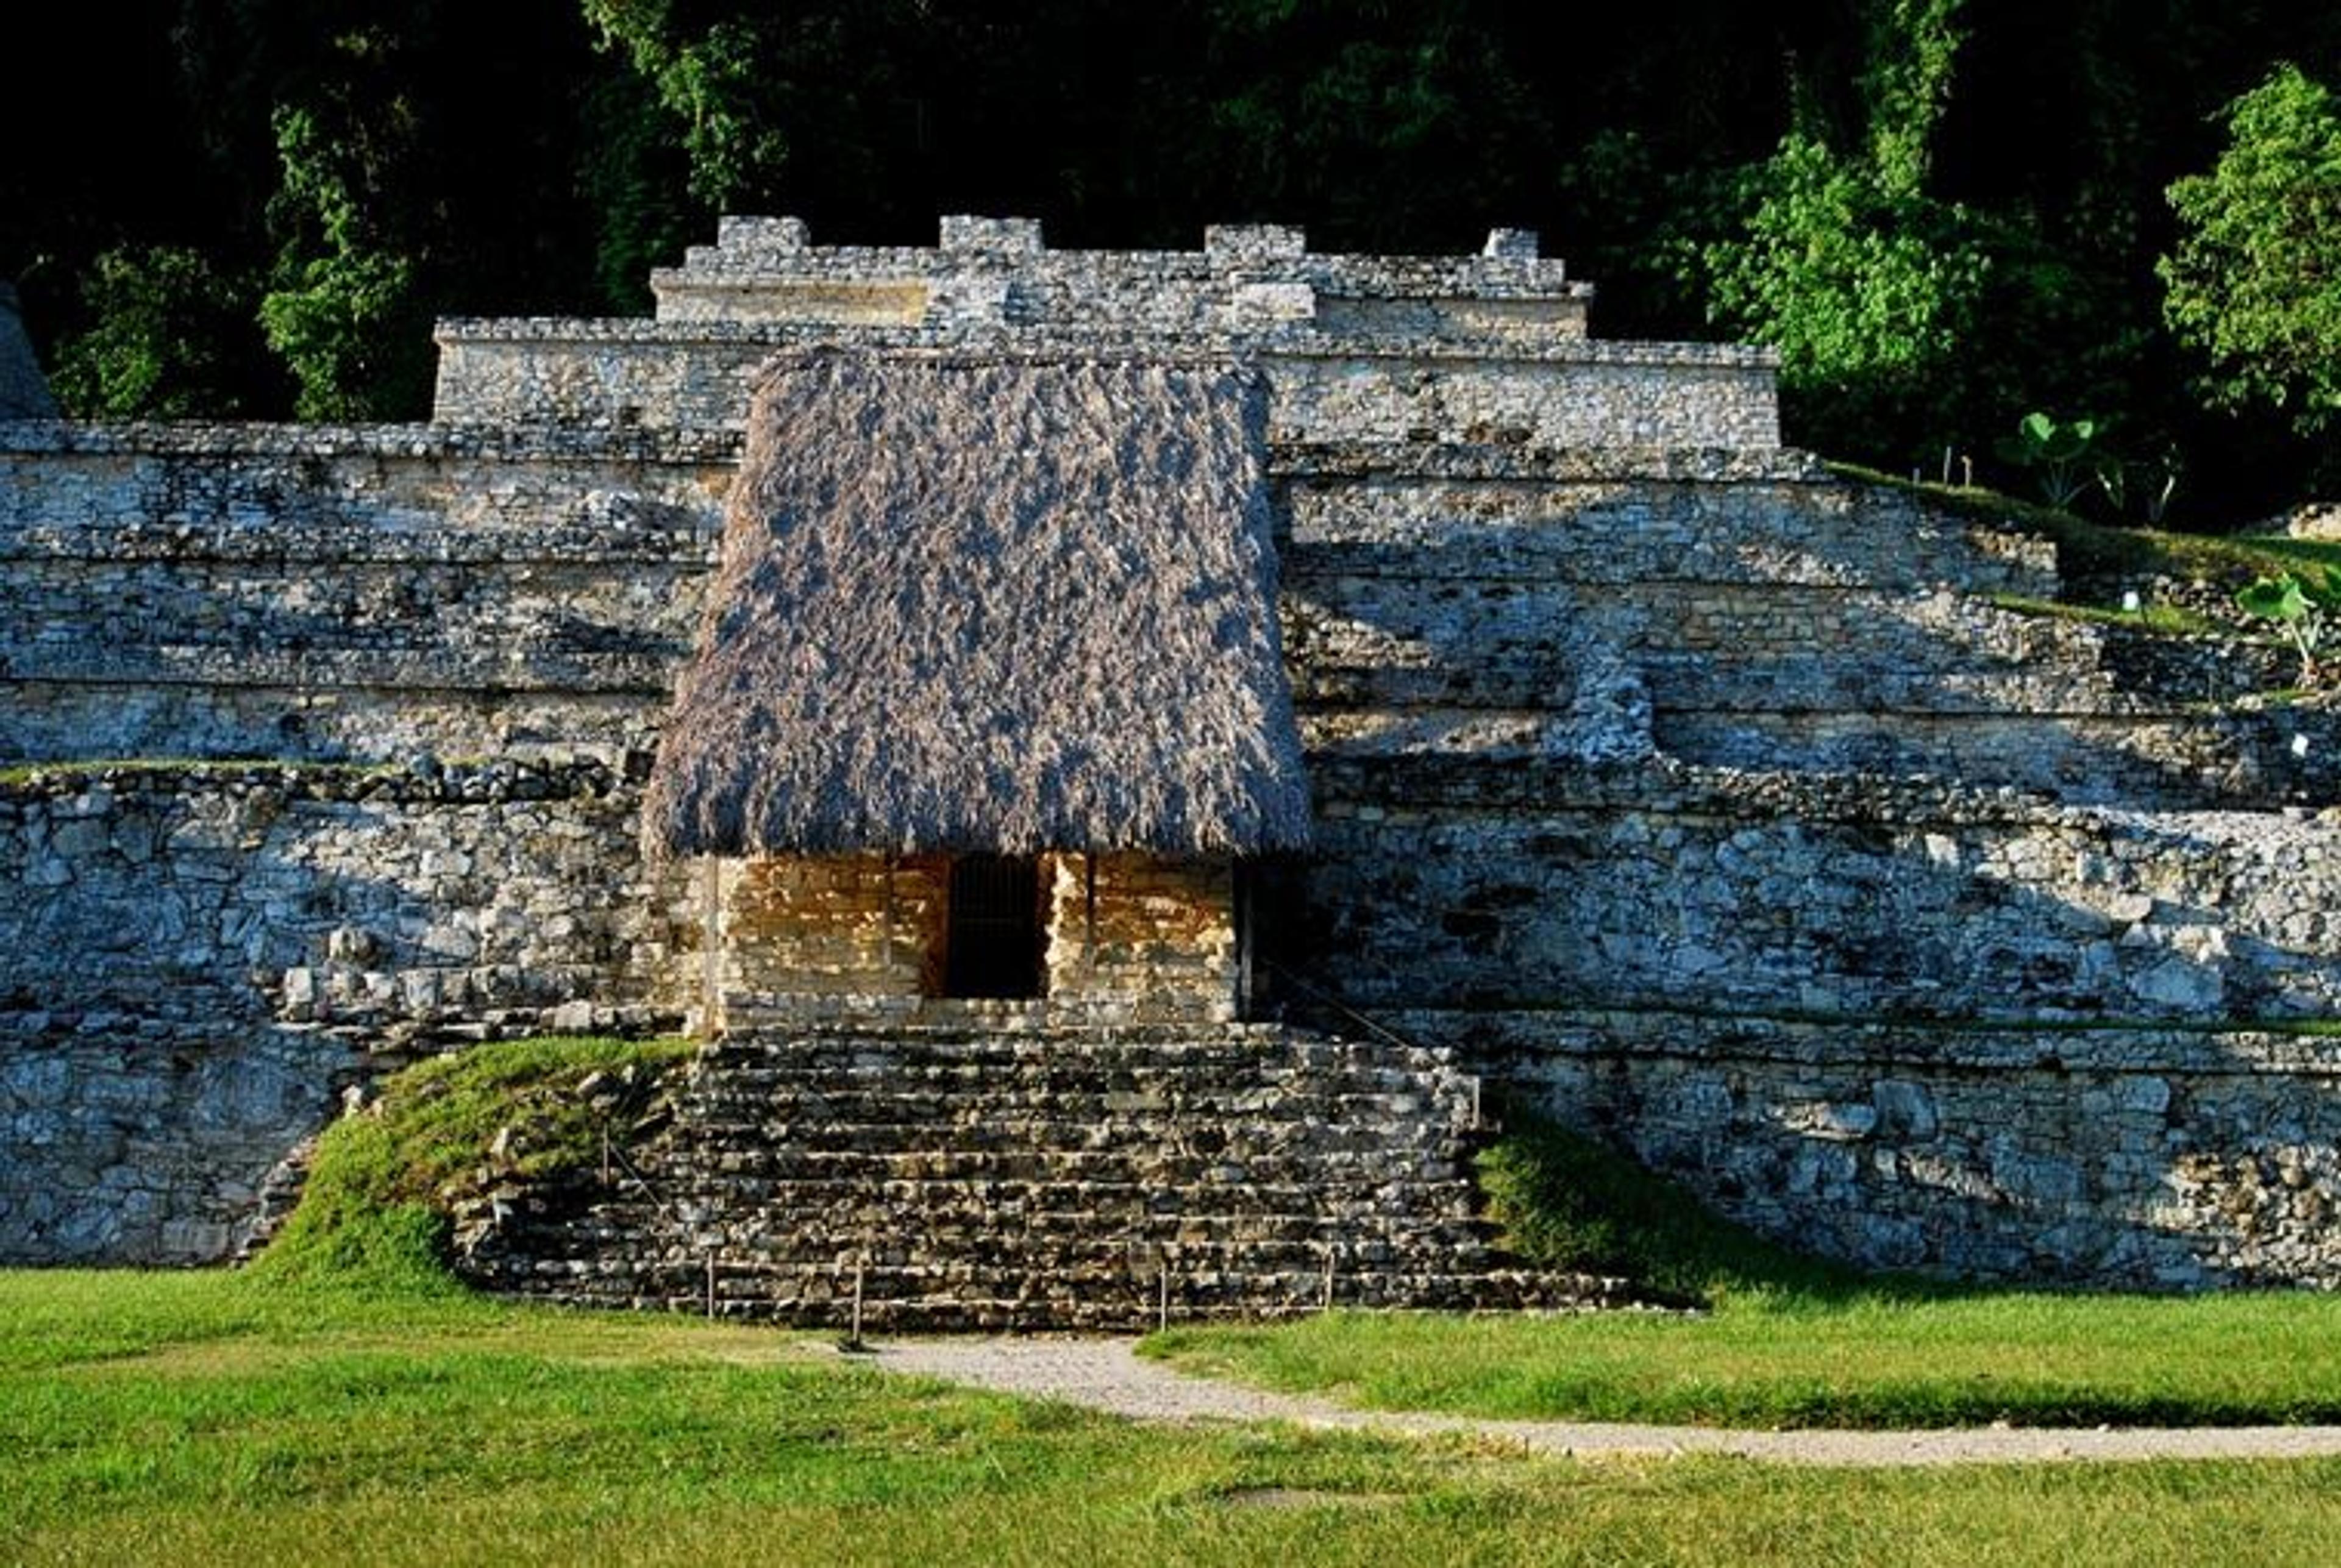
(1869, 286)
(342, 308)
(2255, 283)
(167, 340)
(1913, 53)
(1870, 293)
(712, 81)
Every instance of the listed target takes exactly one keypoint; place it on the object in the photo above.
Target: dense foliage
(2256, 279)
(1946, 213)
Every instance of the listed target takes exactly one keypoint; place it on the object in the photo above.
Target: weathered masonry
(1739, 812)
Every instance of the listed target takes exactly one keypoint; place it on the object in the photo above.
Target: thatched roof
(974, 603)
(23, 395)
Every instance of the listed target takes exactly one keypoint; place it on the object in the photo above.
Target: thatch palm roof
(992, 603)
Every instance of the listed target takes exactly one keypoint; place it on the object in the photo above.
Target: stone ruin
(1751, 817)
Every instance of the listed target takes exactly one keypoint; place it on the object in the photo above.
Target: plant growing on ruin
(2156, 480)
(2285, 600)
(2064, 456)
(375, 1212)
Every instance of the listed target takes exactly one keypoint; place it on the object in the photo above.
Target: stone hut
(989, 704)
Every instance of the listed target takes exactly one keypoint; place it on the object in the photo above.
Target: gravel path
(1104, 1374)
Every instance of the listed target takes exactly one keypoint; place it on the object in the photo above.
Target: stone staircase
(962, 1178)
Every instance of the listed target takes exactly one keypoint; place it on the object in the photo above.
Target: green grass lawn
(211, 1418)
(1788, 1340)
(1876, 1359)
(350, 1402)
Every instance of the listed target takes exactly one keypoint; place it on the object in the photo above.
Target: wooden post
(1088, 913)
(1239, 890)
(710, 942)
(886, 958)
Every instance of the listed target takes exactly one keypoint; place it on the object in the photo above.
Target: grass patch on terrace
(206, 1418)
(1786, 1341)
(2090, 552)
(79, 767)
(375, 1212)
(2162, 620)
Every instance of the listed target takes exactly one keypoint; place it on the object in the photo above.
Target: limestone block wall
(1247, 275)
(1127, 938)
(1476, 349)
(1142, 938)
(656, 375)
(211, 591)
(801, 932)
(1745, 613)
(1708, 889)
(1913, 1024)
(2142, 1158)
(200, 959)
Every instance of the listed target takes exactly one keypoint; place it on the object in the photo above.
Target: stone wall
(1756, 893)
(1246, 275)
(1913, 1025)
(2137, 1158)
(215, 591)
(806, 935)
(199, 959)
(1137, 938)
(1745, 613)
(654, 376)
(1127, 939)
(1484, 349)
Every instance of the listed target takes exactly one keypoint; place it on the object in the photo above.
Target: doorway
(993, 942)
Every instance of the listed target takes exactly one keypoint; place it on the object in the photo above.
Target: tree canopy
(2255, 281)
(1946, 213)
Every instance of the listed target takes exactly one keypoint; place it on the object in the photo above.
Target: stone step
(926, 1300)
(1186, 1244)
(812, 1112)
(913, 1166)
(895, 1047)
(1075, 1080)
(772, 1073)
(1126, 1140)
(1028, 1178)
(857, 1219)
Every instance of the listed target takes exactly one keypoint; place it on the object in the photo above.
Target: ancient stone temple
(1112, 750)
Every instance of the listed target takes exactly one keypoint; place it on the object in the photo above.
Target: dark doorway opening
(993, 947)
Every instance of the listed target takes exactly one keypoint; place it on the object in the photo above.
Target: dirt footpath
(1104, 1374)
